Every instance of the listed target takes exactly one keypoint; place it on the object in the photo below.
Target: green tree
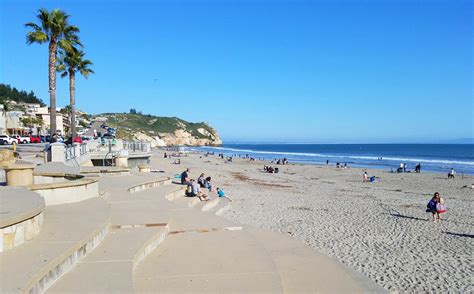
(54, 29)
(70, 62)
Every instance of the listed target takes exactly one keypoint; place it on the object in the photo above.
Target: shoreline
(379, 229)
(385, 162)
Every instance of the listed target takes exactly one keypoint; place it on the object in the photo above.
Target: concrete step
(69, 232)
(223, 206)
(302, 269)
(209, 205)
(109, 268)
(248, 260)
(123, 183)
(208, 262)
(187, 201)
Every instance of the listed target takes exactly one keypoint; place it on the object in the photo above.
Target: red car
(78, 140)
(35, 139)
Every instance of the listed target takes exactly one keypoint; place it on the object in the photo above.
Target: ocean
(439, 158)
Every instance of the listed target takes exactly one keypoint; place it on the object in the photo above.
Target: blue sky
(295, 71)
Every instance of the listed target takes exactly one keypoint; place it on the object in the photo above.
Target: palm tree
(54, 28)
(70, 62)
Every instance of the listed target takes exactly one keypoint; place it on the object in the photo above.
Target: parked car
(45, 139)
(108, 136)
(35, 139)
(22, 139)
(5, 139)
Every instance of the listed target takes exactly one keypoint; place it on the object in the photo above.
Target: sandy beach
(380, 229)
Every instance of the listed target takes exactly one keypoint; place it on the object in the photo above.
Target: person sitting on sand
(451, 174)
(208, 184)
(185, 177)
(436, 207)
(221, 194)
(365, 177)
(200, 180)
(196, 191)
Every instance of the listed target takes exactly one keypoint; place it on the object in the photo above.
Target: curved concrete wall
(17, 234)
(21, 218)
(149, 185)
(67, 192)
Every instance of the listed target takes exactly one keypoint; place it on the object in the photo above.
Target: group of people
(281, 161)
(195, 186)
(340, 165)
(271, 169)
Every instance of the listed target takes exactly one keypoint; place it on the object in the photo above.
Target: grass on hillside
(152, 125)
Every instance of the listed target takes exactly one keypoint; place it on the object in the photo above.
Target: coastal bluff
(163, 131)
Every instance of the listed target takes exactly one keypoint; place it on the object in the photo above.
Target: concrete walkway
(157, 242)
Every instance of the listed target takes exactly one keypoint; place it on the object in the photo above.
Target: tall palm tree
(53, 28)
(70, 62)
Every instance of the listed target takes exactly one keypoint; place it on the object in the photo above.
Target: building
(31, 109)
(3, 120)
(14, 125)
(47, 125)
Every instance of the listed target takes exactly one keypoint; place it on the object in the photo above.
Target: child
(221, 194)
(436, 207)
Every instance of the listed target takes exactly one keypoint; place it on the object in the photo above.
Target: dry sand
(380, 229)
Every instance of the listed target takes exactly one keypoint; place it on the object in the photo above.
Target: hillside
(9, 93)
(161, 131)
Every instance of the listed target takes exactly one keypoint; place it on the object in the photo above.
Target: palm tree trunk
(52, 85)
(72, 101)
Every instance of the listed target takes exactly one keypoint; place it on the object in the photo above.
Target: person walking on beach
(436, 207)
(418, 168)
(451, 174)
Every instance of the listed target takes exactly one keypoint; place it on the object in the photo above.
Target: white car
(23, 139)
(5, 139)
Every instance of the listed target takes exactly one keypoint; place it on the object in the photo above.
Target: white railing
(135, 146)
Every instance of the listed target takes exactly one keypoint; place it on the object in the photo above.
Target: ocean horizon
(438, 158)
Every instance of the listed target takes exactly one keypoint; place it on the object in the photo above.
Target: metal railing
(69, 152)
(83, 149)
(137, 146)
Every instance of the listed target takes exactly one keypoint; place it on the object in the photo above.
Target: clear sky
(296, 71)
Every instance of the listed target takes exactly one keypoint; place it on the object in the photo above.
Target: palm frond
(45, 19)
(33, 26)
(36, 37)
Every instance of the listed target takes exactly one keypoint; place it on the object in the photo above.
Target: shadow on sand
(459, 235)
(408, 217)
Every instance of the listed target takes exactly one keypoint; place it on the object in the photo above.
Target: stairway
(147, 237)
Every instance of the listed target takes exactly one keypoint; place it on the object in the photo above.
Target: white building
(3, 120)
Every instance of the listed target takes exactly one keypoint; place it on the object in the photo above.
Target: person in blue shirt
(221, 194)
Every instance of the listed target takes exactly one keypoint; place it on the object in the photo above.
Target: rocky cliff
(163, 131)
